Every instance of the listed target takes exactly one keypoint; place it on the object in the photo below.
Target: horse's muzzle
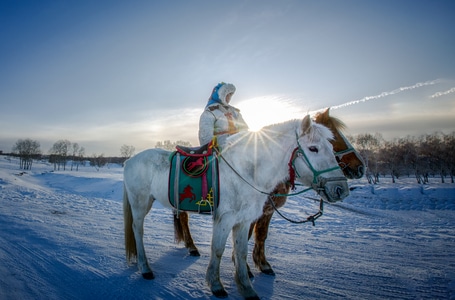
(332, 189)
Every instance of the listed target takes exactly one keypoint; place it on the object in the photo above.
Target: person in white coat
(219, 117)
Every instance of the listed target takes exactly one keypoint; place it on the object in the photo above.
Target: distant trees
(126, 151)
(368, 145)
(27, 150)
(421, 157)
(431, 154)
(59, 154)
(168, 145)
(77, 156)
(62, 151)
(98, 161)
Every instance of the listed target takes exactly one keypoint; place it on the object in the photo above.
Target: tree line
(63, 152)
(421, 157)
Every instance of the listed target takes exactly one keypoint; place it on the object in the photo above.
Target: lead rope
(311, 218)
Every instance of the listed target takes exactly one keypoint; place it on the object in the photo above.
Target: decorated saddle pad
(193, 179)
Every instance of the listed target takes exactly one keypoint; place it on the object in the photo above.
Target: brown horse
(349, 161)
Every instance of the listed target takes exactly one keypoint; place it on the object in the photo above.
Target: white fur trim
(224, 90)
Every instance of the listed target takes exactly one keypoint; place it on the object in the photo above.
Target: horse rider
(219, 117)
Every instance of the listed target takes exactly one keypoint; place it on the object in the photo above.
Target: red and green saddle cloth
(194, 179)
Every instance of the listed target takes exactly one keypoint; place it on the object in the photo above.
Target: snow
(62, 238)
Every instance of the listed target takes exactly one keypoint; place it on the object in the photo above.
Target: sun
(261, 111)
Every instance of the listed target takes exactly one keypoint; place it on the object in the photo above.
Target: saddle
(194, 179)
(203, 150)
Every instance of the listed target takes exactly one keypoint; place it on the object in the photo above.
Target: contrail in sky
(439, 94)
(385, 94)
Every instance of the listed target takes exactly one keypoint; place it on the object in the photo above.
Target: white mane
(315, 133)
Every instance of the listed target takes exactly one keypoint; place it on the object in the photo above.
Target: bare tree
(75, 149)
(368, 146)
(168, 145)
(59, 153)
(409, 154)
(126, 151)
(434, 149)
(80, 157)
(391, 159)
(98, 161)
(449, 143)
(27, 150)
(77, 155)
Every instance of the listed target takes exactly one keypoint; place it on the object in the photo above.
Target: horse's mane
(283, 126)
(325, 118)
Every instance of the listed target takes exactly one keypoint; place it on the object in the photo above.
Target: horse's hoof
(148, 276)
(194, 253)
(220, 294)
(268, 272)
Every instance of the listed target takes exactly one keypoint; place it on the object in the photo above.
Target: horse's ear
(306, 124)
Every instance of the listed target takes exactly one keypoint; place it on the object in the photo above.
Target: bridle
(318, 182)
(350, 149)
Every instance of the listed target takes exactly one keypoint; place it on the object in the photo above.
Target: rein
(311, 218)
(297, 152)
(237, 173)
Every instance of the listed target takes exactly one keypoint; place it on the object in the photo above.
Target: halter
(318, 182)
(298, 152)
(349, 149)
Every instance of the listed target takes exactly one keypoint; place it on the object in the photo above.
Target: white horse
(250, 165)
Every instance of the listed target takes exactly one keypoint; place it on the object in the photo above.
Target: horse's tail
(178, 229)
(130, 241)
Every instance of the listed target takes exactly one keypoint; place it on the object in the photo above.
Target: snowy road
(62, 238)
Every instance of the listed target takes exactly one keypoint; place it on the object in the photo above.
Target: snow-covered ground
(62, 238)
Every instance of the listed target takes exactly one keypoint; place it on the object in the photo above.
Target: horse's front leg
(240, 240)
(182, 232)
(220, 233)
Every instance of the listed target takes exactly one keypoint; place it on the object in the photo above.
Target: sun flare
(261, 111)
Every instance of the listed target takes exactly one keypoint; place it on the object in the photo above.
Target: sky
(109, 73)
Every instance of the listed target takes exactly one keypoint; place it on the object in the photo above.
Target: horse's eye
(313, 149)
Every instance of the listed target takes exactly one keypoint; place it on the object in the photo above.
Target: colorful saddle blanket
(194, 179)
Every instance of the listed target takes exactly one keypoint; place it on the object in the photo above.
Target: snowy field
(62, 238)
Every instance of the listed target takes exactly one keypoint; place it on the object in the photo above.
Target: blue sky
(108, 73)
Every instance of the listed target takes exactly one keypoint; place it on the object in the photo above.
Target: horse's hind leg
(140, 206)
(134, 215)
(182, 232)
(142, 262)
(260, 235)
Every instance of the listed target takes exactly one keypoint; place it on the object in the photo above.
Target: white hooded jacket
(219, 118)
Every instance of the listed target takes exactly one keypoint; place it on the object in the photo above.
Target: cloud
(386, 94)
(439, 94)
